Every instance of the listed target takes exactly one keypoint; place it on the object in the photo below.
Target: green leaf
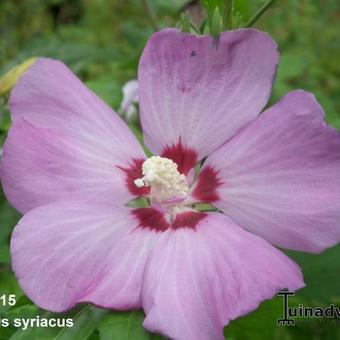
(124, 326)
(8, 285)
(24, 312)
(215, 21)
(85, 322)
(107, 89)
(8, 218)
(321, 274)
(257, 325)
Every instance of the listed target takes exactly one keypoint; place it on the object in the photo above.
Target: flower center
(168, 186)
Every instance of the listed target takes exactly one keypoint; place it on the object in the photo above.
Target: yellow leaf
(12, 76)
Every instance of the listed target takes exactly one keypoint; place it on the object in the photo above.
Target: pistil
(168, 186)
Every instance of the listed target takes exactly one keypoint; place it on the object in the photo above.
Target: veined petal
(196, 281)
(42, 165)
(197, 92)
(91, 254)
(280, 176)
(50, 95)
(65, 135)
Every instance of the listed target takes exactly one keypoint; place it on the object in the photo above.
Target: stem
(194, 28)
(150, 14)
(259, 13)
(228, 14)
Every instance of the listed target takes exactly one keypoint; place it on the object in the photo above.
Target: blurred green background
(101, 41)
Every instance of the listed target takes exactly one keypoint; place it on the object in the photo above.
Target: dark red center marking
(185, 158)
(188, 219)
(133, 172)
(151, 218)
(206, 187)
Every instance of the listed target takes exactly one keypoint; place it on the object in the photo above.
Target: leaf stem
(259, 13)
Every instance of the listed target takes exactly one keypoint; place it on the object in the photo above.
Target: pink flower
(70, 164)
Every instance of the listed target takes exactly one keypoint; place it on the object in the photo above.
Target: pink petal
(67, 253)
(281, 176)
(199, 91)
(196, 281)
(42, 165)
(71, 143)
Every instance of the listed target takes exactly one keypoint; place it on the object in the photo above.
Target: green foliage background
(101, 40)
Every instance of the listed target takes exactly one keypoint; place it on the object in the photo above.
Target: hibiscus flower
(74, 169)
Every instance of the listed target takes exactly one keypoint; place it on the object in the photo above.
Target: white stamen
(139, 182)
(162, 176)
